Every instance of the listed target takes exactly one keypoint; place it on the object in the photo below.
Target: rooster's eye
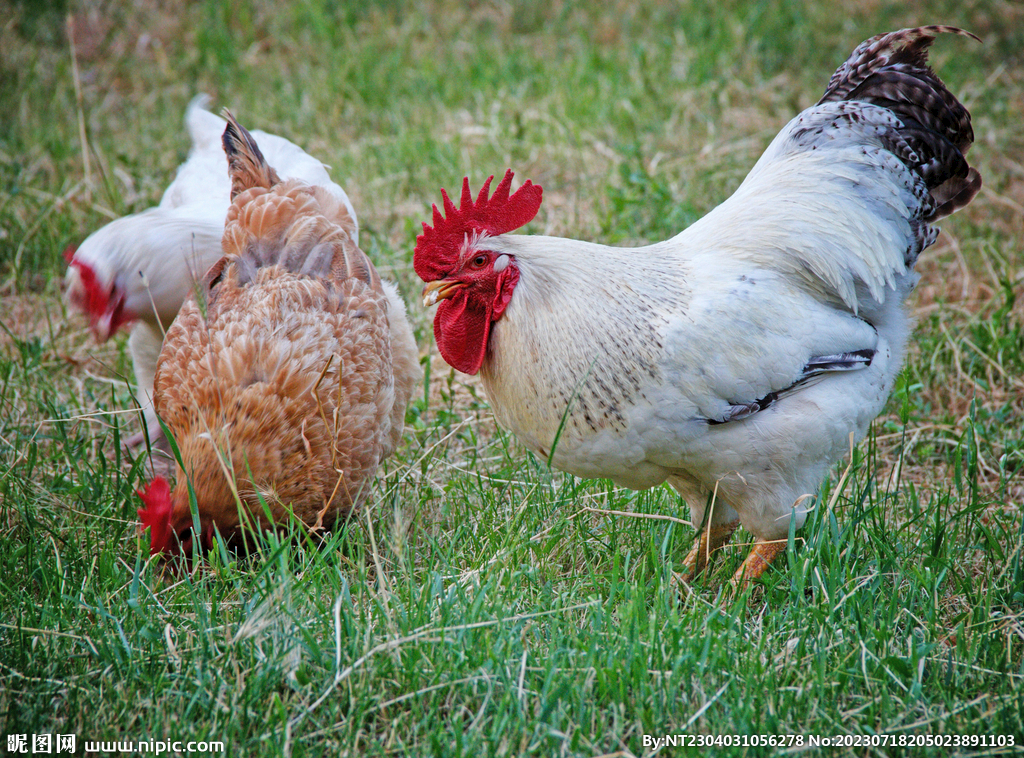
(479, 262)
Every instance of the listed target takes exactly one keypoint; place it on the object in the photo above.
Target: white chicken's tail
(204, 127)
(843, 198)
(891, 71)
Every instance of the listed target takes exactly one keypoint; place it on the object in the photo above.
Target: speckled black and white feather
(891, 71)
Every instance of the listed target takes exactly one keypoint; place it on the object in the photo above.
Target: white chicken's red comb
(90, 297)
(438, 247)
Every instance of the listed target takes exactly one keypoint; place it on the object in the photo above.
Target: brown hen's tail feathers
(246, 164)
(293, 225)
(891, 71)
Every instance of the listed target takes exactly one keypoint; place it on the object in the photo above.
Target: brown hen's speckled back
(276, 380)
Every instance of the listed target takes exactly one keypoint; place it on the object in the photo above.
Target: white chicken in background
(137, 270)
(735, 360)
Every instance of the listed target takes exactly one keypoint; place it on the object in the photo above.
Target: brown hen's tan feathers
(305, 229)
(281, 384)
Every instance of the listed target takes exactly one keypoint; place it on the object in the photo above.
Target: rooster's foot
(755, 564)
(708, 541)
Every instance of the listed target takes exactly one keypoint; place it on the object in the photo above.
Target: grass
(482, 603)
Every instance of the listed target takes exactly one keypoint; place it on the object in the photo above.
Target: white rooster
(734, 360)
(137, 270)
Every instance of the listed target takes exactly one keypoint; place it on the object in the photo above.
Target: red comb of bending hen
(156, 516)
(96, 299)
(437, 249)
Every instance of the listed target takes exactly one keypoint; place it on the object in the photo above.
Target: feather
(137, 270)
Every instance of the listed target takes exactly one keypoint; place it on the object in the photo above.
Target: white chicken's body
(152, 259)
(644, 374)
(202, 181)
(639, 400)
(735, 360)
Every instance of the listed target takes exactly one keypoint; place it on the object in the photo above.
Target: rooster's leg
(708, 541)
(760, 557)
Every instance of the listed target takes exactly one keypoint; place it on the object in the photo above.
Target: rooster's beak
(442, 289)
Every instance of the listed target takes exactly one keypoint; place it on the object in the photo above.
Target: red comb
(438, 247)
(96, 299)
(69, 252)
(156, 516)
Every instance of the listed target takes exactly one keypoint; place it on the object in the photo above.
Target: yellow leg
(755, 564)
(708, 541)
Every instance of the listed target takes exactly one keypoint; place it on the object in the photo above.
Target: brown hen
(285, 377)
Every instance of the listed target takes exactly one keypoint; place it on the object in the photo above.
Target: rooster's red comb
(437, 249)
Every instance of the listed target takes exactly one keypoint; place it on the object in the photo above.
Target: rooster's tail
(891, 70)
